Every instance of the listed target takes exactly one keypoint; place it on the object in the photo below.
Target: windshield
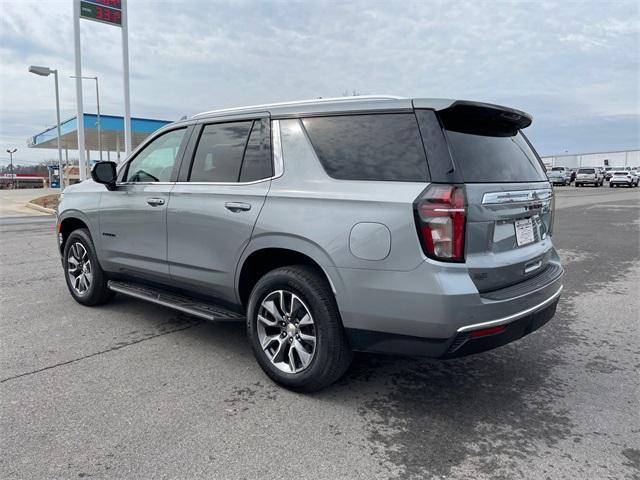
(620, 173)
(586, 170)
(557, 169)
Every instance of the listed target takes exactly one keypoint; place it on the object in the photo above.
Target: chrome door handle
(237, 206)
(155, 202)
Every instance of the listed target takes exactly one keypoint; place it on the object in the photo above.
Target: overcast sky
(573, 65)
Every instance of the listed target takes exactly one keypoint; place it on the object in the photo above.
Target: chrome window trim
(278, 167)
(517, 196)
(276, 145)
(144, 183)
(515, 316)
(226, 183)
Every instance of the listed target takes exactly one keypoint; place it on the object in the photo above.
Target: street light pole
(60, 174)
(45, 72)
(11, 152)
(98, 110)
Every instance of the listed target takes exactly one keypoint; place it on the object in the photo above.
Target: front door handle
(155, 202)
(237, 206)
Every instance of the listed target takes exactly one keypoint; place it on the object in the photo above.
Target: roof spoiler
(462, 114)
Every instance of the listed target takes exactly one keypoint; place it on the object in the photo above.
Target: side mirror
(105, 173)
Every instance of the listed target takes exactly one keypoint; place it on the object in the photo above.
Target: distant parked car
(623, 177)
(590, 175)
(559, 176)
(609, 172)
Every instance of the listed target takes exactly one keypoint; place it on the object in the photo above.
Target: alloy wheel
(79, 268)
(286, 331)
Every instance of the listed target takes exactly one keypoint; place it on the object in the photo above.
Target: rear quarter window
(383, 147)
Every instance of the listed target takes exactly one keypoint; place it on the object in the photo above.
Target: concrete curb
(33, 206)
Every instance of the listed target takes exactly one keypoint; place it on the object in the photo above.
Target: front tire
(85, 279)
(295, 329)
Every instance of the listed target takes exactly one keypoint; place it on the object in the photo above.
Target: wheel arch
(68, 223)
(269, 253)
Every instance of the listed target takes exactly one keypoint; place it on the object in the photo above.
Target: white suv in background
(623, 177)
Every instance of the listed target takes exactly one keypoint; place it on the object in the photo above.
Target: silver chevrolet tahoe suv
(377, 224)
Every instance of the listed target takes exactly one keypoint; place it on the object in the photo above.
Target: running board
(188, 305)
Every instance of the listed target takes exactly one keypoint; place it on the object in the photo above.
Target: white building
(622, 158)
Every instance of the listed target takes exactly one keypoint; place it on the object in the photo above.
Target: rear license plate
(524, 232)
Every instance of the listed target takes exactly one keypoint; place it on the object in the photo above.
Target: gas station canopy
(111, 128)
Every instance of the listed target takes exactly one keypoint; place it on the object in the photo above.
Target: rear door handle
(237, 206)
(155, 202)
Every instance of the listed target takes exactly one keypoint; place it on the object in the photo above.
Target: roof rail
(300, 102)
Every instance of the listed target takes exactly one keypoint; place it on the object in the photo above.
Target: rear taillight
(440, 217)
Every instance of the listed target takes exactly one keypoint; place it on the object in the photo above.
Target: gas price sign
(106, 11)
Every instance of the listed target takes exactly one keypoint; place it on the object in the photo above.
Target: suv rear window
(369, 147)
(587, 170)
(494, 157)
(557, 169)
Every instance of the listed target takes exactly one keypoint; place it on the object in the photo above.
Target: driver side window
(155, 163)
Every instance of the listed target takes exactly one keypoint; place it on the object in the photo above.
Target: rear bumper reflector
(488, 331)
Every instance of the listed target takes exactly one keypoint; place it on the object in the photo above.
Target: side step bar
(177, 302)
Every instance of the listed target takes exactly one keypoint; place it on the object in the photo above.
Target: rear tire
(85, 279)
(282, 328)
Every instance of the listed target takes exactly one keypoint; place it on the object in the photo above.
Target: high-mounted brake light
(440, 218)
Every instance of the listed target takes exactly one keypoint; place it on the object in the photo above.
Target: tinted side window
(219, 152)
(256, 164)
(369, 147)
(156, 161)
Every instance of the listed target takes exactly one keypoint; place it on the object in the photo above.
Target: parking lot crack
(110, 349)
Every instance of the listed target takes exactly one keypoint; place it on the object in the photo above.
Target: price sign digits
(106, 11)
(109, 15)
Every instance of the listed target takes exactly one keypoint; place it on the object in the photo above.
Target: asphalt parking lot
(132, 390)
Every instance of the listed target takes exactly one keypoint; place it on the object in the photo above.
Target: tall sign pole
(125, 72)
(111, 12)
(79, 107)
